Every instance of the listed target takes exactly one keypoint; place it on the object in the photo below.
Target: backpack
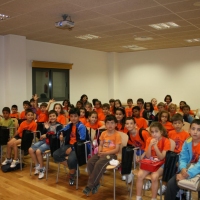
(140, 134)
(7, 168)
(4, 135)
(27, 138)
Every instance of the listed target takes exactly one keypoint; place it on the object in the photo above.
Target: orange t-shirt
(83, 120)
(101, 117)
(110, 141)
(168, 126)
(32, 126)
(22, 115)
(195, 153)
(136, 141)
(14, 115)
(155, 108)
(128, 112)
(119, 128)
(112, 110)
(98, 110)
(141, 122)
(141, 112)
(61, 119)
(95, 126)
(163, 145)
(43, 117)
(73, 135)
(179, 139)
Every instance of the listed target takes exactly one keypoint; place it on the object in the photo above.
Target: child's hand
(100, 153)
(68, 151)
(179, 177)
(46, 125)
(51, 100)
(137, 159)
(184, 173)
(42, 137)
(35, 97)
(61, 137)
(154, 142)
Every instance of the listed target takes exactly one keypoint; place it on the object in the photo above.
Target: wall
(2, 72)
(157, 73)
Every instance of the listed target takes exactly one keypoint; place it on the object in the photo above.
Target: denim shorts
(41, 145)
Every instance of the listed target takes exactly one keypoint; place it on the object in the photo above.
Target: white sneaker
(123, 177)
(147, 186)
(114, 162)
(14, 163)
(45, 156)
(130, 178)
(42, 172)
(6, 161)
(37, 169)
(164, 187)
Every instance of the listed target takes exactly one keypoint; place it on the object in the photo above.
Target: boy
(128, 109)
(112, 105)
(140, 104)
(161, 107)
(26, 105)
(15, 113)
(140, 121)
(190, 154)
(178, 135)
(88, 107)
(36, 150)
(186, 114)
(106, 111)
(110, 141)
(72, 133)
(28, 124)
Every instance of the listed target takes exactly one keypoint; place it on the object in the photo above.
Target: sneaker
(95, 189)
(14, 163)
(87, 190)
(123, 177)
(130, 178)
(37, 169)
(6, 161)
(164, 187)
(114, 162)
(147, 186)
(72, 179)
(44, 156)
(42, 172)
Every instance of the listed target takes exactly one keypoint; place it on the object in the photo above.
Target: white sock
(138, 197)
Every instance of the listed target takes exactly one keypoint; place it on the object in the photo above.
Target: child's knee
(154, 177)
(38, 152)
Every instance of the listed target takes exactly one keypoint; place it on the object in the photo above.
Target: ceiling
(117, 22)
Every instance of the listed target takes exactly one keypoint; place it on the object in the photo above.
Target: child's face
(195, 132)
(88, 108)
(155, 132)
(82, 113)
(26, 106)
(119, 115)
(14, 110)
(154, 102)
(32, 103)
(140, 104)
(74, 118)
(93, 118)
(97, 104)
(130, 104)
(136, 113)
(181, 104)
(161, 108)
(172, 109)
(52, 118)
(84, 99)
(167, 100)
(164, 117)
(117, 104)
(112, 104)
(43, 109)
(177, 125)
(130, 125)
(57, 109)
(65, 104)
(78, 105)
(106, 111)
(186, 111)
(29, 116)
(6, 114)
(148, 107)
(110, 125)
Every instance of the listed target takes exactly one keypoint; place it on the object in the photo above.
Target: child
(26, 105)
(37, 149)
(117, 104)
(120, 116)
(156, 146)
(93, 121)
(140, 104)
(181, 104)
(168, 100)
(33, 105)
(172, 108)
(154, 103)
(140, 121)
(88, 107)
(112, 106)
(106, 111)
(150, 113)
(128, 109)
(82, 117)
(61, 117)
(190, 154)
(72, 133)
(186, 114)
(98, 108)
(28, 124)
(178, 135)
(79, 104)
(161, 107)
(164, 119)
(84, 99)
(65, 104)
(15, 113)
(135, 138)
(110, 141)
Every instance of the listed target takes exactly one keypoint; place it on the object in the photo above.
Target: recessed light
(197, 3)
(134, 47)
(166, 25)
(88, 37)
(3, 17)
(193, 40)
(143, 38)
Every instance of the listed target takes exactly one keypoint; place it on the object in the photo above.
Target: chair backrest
(4, 135)
(186, 126)
(27, 139)
(172, 145)
(124, 138)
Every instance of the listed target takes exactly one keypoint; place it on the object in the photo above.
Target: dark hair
(75, 111)
(66, 100)
(169, 97)
(52, 112)
(86, 113)
(140, 100)
(123, 119)
(160, 127)
(130, 118)
(71, 106)
(151, 106)
(14, 106)
(111, 100)
(98, 102)
(183, 102)
(80, 102)
(32, 100)
(91, 113)
(88, 103)
(93, 101)
(160, 114)
(110, 118)
(130, 100)
(117, 100)
(106, 105)
(82, 96)
(29, 110)
(7, 109)
(195, 121)
(136, 108)
(58, 104)
(26, 103)
(177, 117)
(161, 104)
(43, 104)
(186, 106)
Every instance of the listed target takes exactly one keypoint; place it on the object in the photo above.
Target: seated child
(88, 107)
(172, 109)
(98, 108)
(26, 105)
(178, 135)
(140, 104)
(112, 106)
(161, 107)
(82, 117)
(128, 109)
(106, 111)
(150, 113)
(164, 119)
(181, 104)
(15, 113)
(190, 154)
(186, 114)
(37, 149)
(120, 116)
(93, 121)
(140, 121)
(156, 146)
(28, 124)
(110, 141)
(168, 101)
(154, 103)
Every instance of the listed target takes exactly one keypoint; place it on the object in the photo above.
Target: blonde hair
(171, 105)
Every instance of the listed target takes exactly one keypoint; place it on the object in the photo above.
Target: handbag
(151, 165)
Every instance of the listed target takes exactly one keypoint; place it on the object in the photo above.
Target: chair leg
(145, 181)
(31, 166)
(160, 189)
(1, 152)
(47, 165)
(20, 157)
(77, 176)
(131, 190)
(114, 178)
(58, 170)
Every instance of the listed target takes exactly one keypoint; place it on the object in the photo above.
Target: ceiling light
(193, 40)
(134, 47)
(88, 37)
(3, 17)
(166, 25)
(143, 38)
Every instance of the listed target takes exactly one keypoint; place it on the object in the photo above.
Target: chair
(186, 126)
(148, 177)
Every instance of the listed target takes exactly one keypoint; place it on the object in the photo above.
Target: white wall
(157, 73)
(2, 73)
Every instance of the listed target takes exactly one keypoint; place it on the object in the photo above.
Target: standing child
(150, 113)
(140, 121)
(190, 154)
(61, 117)
(15, 113)
(128, 109)
(28, 124)
(167, 100)
(82, 117)
(120, 116)
(156, 146)
(186, 114)
(164, 119)
(37, 149)
(110, 141)
(93, 121)
(112, 106)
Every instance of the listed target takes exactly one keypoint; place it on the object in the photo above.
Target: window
(51, 83)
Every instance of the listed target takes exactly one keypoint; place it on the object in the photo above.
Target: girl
(66, 104)
(156, 146)
(112, 106)
(168, 100)
(154, 103)
(172, 110)
(150, 113)
(61, 117)
(79, 104)
(117, 104)
(88, 107)
(82, 117)
(164, 119)
(181, 104)
(84, 99)
(121, 116)
(93, 121)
